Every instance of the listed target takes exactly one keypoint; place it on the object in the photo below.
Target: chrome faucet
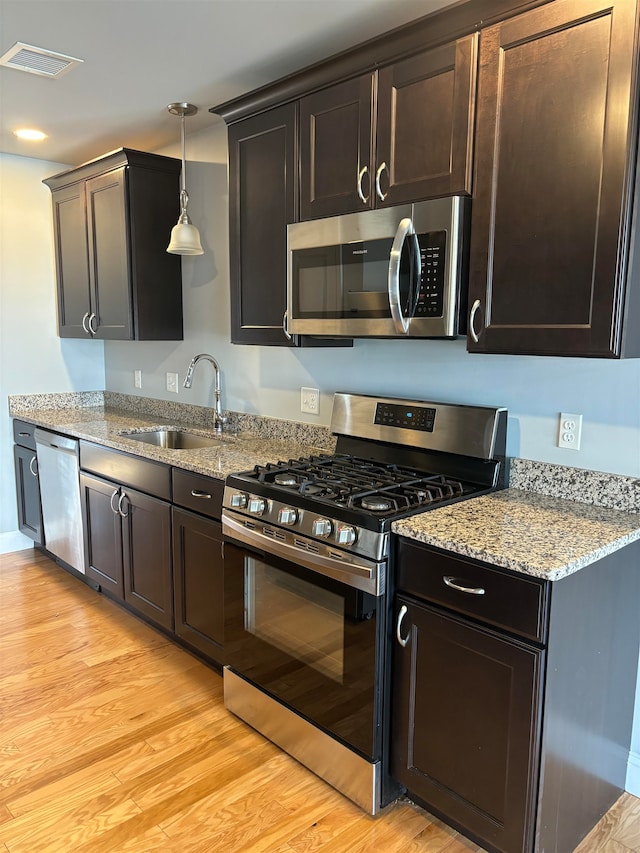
(219, 420)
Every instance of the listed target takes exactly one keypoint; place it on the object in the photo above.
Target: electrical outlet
(172, 382)
(310, 400)
(137, 379)
(569, 431)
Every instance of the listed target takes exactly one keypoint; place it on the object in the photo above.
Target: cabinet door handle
(456, 583)
(472, 317)
(363, 198)
(198, 494)
(113, 508)
(31, 466)
(92, 317)
(84, 323)
(402, 640)
(121, 513)
(285, 319)
(381, 168)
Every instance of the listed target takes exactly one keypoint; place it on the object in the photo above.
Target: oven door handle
(405, 231)
(369, 577)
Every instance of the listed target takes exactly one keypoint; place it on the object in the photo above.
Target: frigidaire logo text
(359, 252)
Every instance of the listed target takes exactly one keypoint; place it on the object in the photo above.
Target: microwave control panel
(430, 302)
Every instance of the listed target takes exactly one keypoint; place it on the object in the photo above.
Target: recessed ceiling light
(30, 134)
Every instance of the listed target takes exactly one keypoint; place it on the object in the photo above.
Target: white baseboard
(633, 774)
(14, 541)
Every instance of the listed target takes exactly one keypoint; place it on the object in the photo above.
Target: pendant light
(185, 239)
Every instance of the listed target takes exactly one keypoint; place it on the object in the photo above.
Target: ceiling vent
(36, 60)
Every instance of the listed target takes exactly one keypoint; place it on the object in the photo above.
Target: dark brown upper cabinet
(555, 162)
(112, 222)
(397, 135)
(262, 202)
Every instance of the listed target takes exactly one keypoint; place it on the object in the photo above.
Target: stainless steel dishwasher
(58, 467)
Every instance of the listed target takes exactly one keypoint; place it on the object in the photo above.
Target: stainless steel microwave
(394, 272)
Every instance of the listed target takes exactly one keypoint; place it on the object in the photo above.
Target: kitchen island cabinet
(112, 219)
(504, 719)
(552, 220)
(401, 134)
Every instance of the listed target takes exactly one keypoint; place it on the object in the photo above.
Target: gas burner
(285, 479)
(376, 504)
(311, 489)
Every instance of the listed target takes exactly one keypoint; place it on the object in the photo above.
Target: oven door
(309, 641)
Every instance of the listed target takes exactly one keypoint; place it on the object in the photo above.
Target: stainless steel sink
(174, 439)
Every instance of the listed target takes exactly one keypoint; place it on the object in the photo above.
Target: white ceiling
(140, 55)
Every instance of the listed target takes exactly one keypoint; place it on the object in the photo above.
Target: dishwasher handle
(58, 442)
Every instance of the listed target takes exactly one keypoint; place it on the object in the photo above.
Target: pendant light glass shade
(185, 239)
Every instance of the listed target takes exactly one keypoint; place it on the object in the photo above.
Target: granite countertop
(553, 521)
(239, 451)
(534, 534)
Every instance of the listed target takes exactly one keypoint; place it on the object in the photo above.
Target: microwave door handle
(405, 229)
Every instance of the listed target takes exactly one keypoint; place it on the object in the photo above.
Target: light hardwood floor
(114, 739)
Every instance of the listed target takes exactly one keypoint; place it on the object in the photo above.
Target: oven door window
(296, 617)
(310, 642)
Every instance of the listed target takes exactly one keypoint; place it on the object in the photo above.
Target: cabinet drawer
(515, 603)
(154, 478)
(23, 434)
(197, 492)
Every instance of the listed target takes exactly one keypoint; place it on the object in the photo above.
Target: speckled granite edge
(55, 402)
(576, 484)
(529, 533)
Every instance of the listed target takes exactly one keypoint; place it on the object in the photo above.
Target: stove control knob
(345, 534)
(288, 515)
(238, 499)
(322, 527)
(257, 505)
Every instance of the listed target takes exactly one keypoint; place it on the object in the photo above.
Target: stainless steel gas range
(309, 576)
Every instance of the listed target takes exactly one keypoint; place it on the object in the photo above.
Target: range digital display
(420, 418)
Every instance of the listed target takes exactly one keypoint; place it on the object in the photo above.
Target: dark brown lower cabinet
(513, 696)
(28, 493)
(467, 723)
(198, 583)
(128, 546)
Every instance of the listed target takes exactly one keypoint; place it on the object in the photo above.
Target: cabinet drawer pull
(24, 434)
(402, 640)
(363, 198)
(198, 494)
(113, 508)
(31, 466)
(472, 317)
(456, 583)
(381, 169)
